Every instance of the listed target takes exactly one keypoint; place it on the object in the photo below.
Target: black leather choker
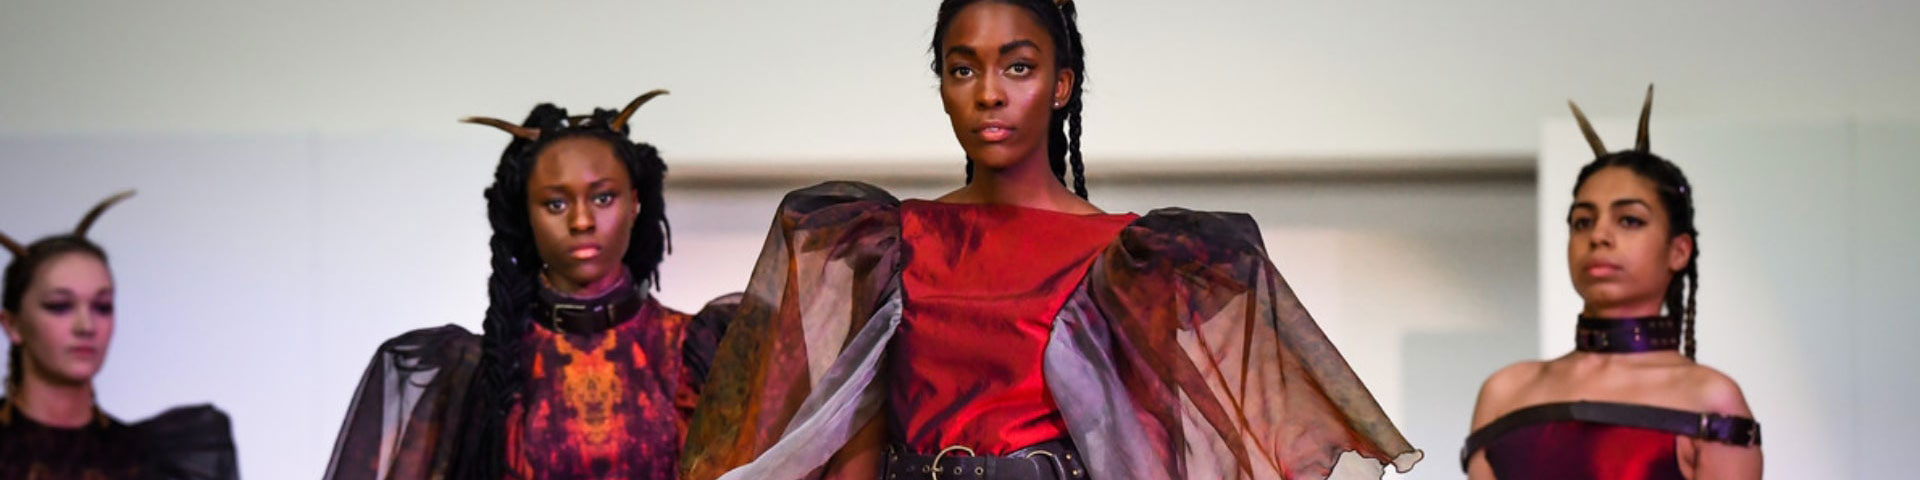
(1626, 335)
(592, 315)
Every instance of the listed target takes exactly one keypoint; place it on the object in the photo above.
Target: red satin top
(1575, 450)
(982, 286)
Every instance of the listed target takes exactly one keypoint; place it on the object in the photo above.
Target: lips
(1601, 269)
(584, 252)
(84, 352)
(993, 131)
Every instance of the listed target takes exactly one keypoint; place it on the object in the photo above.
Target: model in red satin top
(1010, 328)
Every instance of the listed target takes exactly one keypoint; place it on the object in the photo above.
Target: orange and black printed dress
(612, 381)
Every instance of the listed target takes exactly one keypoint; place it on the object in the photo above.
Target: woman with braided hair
(1629, 402)
(58, 311)
(1011, 329)
(580, 372)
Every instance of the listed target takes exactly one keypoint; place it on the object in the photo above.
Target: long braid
(510, 290)
(1073, 152)
(1693, 295)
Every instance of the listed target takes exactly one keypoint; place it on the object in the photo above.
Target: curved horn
(1646, 110)
(12, 246)
(620, 123)
(525, 133)
(1593, 139)
(94, 214)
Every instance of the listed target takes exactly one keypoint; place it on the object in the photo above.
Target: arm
(1495, 395)
(1230, 369)
(862, 458)
(824, 271)
(406, 403)
(1709, 460)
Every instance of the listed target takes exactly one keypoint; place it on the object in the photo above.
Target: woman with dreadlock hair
(1010, 329)
(58, 312)
(580, 373)
(1629, 402)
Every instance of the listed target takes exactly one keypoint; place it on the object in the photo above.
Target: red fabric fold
(982, 286)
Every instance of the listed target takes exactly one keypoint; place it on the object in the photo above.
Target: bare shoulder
(1080, 206)
(1717, 392)
(1503, 389)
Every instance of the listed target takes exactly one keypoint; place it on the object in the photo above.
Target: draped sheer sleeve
(190, 443)
(402, 419)
(829, 264)
(1229, 375)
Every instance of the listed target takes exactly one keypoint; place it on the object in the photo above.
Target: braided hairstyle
(1062, 22)
(516, 264)
(1676, 195)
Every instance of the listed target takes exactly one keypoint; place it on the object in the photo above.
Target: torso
(104, 449)
(982, 286)
(609, 405)
(1661, 379)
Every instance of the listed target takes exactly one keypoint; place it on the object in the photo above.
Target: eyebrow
(562, 188)
(1004, 49)
(1016, 44)
(1624, 202)
(1629, 202)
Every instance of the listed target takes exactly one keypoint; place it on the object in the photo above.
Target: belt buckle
(1059, 468)
(935, 468)
(553, 314)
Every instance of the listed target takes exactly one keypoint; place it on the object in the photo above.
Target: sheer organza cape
(1184, 354)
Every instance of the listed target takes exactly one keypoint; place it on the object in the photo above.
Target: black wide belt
(588, 316)
(1054, 460)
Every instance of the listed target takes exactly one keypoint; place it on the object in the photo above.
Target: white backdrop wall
(306, 193)
(777, 81)
(1807, 273)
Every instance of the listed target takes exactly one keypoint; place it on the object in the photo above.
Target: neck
(1030, 183)
(594, 289)
(53, 404)
(1600, 360)
(1635, 310)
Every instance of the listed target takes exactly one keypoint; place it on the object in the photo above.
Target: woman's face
(65, 320)
(999, 83)
(1619, 249)
(582, 206)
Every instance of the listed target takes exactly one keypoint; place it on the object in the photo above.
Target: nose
(988, 94)
(580, 219)
(1601, 235)
(83, 323)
